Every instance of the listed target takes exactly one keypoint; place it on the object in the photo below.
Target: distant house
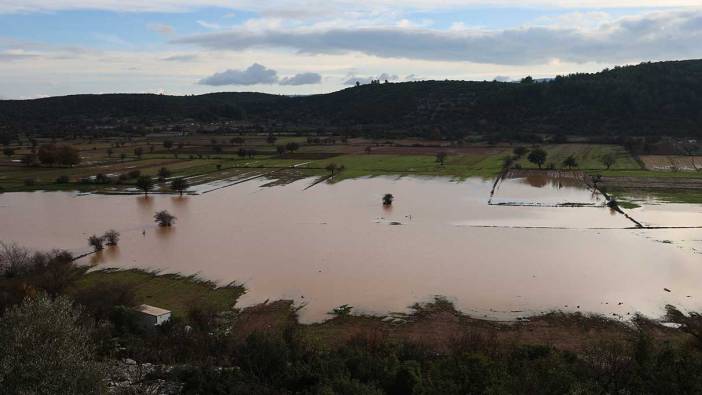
(153, 316)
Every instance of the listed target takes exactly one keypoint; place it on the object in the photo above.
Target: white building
(153, 316)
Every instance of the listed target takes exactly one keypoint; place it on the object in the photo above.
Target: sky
(179, 47)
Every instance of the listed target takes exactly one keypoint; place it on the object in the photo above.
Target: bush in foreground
(43, 350)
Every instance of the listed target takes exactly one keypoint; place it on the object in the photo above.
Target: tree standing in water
(145, 183)
(164, 218)
(388, 199)
(180, 185)
(95, 242)
(111, 237)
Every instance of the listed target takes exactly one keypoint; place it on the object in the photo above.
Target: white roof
(151, 310)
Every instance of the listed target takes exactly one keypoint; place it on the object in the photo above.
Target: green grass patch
(457, 166)
(169, 291)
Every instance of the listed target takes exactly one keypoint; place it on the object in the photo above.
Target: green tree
(44, 350)
(331, 168)
(67, 155)
(388, 198)
(537, 156)
(180, 185)
(164, 218)
(167, 144)
(570, 162)
(608, 160)
(8, 152)
(280, 149)
(138, 151)
(145, 183)
(292, 146)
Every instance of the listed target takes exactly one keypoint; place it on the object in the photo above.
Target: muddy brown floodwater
(335, 244)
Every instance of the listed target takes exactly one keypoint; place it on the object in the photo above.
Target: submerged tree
(537, 156)
(164, 218)
(95, 242)
(388, 199)
(111, 237)
(180, 185)
(609, 160)
(145, 183)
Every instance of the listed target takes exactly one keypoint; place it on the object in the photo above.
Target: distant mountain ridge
(646, 99)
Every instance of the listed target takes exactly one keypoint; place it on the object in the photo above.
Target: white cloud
(302, 79)
(254, 74)
(181, 58)
(658, 35)
(293, 8)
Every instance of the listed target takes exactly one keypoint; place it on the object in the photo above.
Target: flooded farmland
(541, 244)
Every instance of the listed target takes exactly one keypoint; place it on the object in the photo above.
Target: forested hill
(652, 98)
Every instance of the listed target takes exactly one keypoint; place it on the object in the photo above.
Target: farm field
(205, 159)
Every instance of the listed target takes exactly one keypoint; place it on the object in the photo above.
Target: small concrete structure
(153, 316)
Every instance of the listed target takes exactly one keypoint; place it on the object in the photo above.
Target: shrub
(62, 180)
(43, 350)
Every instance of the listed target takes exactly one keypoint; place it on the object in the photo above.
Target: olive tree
(608, 160)
(145, 183)
(388, 199)
(537, 156)
(44, 350)
(164, 218)
(570, 162)
(180, 185)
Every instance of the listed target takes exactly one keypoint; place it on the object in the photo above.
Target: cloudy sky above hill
(56, 47)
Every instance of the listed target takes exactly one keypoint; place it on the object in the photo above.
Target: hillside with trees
(647, 99)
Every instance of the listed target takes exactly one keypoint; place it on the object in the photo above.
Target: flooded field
(336, 244)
